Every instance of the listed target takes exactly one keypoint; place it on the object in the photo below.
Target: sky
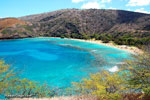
(18, 8)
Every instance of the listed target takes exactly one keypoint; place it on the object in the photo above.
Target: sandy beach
(133, 50)
(62, 98)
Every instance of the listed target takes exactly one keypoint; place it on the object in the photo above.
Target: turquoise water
(58, 61)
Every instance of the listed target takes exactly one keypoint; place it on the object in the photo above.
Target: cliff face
(90, 21)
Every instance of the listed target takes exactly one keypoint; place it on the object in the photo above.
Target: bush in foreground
(132, 82)
(10, 84)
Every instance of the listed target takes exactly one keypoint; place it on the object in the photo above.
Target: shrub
(132, 81)
(139, 69)
(105, 85)
(10, 84)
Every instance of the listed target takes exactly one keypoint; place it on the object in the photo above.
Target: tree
(10, 84)
(139, 70)
(95, 36)
(5, 74)
(85, 36)
(26, 87)
(105, 85)
(131, 81)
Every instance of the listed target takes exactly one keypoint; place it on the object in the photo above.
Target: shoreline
(133, 50)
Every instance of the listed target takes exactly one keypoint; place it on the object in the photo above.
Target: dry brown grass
(9, 22)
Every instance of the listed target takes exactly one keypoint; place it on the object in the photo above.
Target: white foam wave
(114, 69)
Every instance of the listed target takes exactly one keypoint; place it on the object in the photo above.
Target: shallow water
(58, 61)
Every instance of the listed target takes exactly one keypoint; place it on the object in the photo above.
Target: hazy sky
(17, 8)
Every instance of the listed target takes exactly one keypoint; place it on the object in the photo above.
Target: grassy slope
(9, 22)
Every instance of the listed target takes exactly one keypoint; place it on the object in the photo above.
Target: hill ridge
(86, 23)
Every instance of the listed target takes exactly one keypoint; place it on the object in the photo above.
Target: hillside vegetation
(122, 27)
(10, 22)
(11, 28)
